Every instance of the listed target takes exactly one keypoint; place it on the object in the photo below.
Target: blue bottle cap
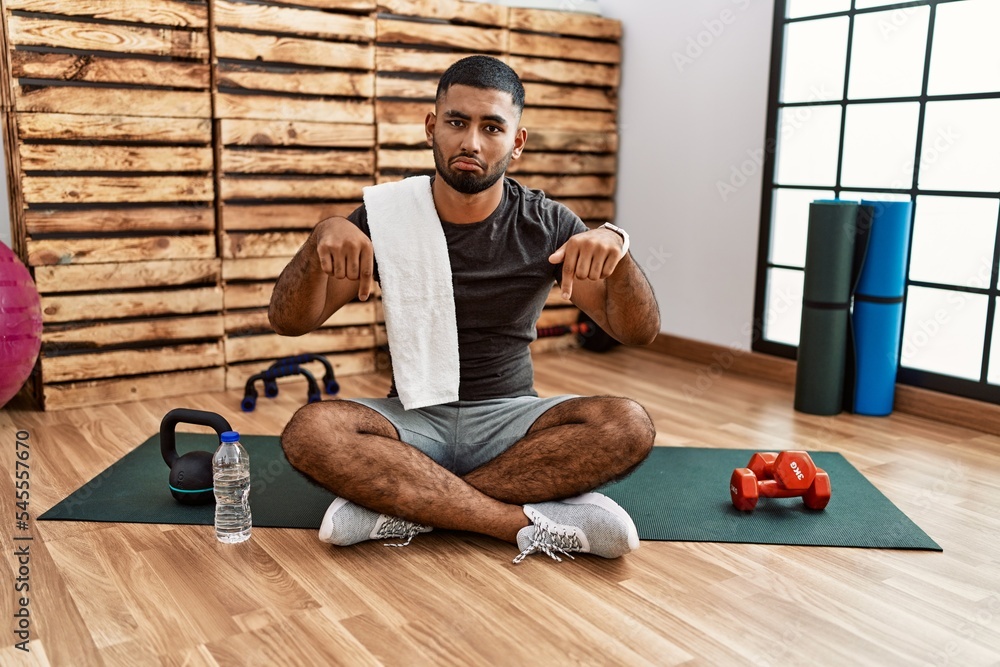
(230, 436)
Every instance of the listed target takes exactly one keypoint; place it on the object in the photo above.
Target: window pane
(961, 146)
(943, 332)
(879, 143)
(858, 195)
(887, 60)
(815, 60)
(783, 307)
(953, 239)
(994, 374)
(799, 8)
(866, 4)
(807, 146)
(791, 219)
(965, 55)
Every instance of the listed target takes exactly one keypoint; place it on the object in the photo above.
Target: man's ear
(520, 139)
(429, 122)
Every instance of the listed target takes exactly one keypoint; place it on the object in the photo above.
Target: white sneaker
(346, 523)
(591, 523)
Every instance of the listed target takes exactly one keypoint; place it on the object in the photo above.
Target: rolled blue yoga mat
(877, 317)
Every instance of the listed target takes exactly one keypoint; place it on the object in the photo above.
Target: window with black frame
(880, 100)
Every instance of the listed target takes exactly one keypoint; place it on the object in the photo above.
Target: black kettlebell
(191, 474)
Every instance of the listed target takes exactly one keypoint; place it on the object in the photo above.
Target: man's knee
(301, 433)
(333, 426)
(636, 422)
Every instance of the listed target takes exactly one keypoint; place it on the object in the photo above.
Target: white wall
(693, 108)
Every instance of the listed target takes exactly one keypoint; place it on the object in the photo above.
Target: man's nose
(471, 141)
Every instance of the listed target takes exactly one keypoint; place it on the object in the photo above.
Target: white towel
(417, 292)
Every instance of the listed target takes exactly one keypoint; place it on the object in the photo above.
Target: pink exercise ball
(20, 324)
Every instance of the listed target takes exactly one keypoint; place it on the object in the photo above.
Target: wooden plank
(564, 23)
(412, 134)
(98, 69)
(562, 71)
(96, 220)
(247, 295)
(61, 157)
(344, 364)
(103, 334)
(449, 10)
(298, 133)
(555, 298)
(356, 313)
(564, 48)
(84, 127)
(555, 317)
(105, 250)
(293, 161)
(111, 101)
(487, 40)
(121, 390)
(267, 244)
(562, 163)
(568, 119)
(97, 365)
(405, 59)
(563, 140)
(272, 346)
(405, 159)
(282, 216)
(571, 186)
(554, 344)
(416, 89)
(87, 307)
(114, 37)
(591, 209)
(294, 50)
(396, 112)
(340, 27)
(158, 12)
(267, 107)
(253, 268)
(126, 275)
(548, 95)
(347, 187)
(340, 5)
(87, 189)
(347, 84)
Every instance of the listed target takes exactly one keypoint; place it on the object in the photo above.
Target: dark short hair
(483, 72)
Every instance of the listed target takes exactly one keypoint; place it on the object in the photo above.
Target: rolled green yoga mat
(826, 297)
(678, 494)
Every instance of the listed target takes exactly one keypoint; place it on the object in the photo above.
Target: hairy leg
(355, 452)
(572, 448)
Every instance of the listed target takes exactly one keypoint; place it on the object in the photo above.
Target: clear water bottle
(231, 478)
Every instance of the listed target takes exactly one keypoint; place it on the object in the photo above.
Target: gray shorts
(463, 435)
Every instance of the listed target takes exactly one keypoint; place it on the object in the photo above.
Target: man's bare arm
(334, 265)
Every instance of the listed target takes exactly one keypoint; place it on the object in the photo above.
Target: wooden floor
(127, 594)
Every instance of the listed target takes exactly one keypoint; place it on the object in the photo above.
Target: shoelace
(548, 542)
(394, 527)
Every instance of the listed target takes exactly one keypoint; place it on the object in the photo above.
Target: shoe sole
(611, 506)
(326, 526)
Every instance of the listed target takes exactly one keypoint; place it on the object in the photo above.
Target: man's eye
(455, 123)
(492, 129)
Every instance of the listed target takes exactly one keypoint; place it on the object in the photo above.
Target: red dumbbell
(786, 475)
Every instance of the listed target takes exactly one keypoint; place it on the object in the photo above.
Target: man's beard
(468, 182)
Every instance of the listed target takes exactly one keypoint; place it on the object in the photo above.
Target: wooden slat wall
(167, 157)
(113, 194)
(570, 67)
(417, 41)
(295, 114)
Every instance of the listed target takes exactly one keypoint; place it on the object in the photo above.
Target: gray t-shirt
(501, 274)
